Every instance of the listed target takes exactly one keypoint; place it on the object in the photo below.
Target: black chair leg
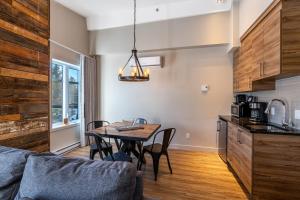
(155, 165)
(110, 150)
(139, 146)
(106, 152)
(91, 155)
(170, 168)
(100, 154)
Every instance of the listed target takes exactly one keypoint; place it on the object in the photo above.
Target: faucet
(285, 122)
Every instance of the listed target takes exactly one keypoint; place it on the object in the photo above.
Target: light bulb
(146, 72)
(120, 71)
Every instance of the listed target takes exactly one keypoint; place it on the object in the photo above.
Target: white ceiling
(103, 14)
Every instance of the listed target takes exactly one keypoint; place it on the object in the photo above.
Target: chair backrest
(140, 121)
(167, 138)
(96, 124)
(99, 142)
(93, 125)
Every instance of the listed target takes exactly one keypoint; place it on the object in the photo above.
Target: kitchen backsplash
(288, 90)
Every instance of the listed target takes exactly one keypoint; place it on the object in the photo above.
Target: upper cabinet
(270, 49)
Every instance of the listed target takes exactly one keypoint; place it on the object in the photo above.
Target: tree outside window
(65, 93)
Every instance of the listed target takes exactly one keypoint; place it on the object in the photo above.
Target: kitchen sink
(262, 127)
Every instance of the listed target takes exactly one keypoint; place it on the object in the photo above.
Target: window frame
(65, 109)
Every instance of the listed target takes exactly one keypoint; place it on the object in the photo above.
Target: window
(65, 93)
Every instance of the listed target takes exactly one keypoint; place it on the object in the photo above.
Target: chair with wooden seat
(106, 149)
(119, 156)
(156, 150)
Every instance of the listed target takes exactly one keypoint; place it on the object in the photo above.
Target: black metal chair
(156, 150)
(93, 147)
(119, 156)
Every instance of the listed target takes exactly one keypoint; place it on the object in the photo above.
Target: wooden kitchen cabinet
(258, 51)
(270, 48)
(266, 164)
(266, 46)
(232, 148)
(271, 65)
(239, 154)
(236, 68)
(244, 140)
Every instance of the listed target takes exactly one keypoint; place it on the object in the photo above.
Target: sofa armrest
(139, 188)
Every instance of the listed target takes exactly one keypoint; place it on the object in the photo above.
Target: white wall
(212, 29)
(70, 30)
(173, 97)
(250, 10)
(234, 37)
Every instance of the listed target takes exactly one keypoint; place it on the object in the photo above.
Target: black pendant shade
(137, 74)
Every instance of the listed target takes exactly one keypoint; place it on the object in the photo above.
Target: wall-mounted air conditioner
(154, 61)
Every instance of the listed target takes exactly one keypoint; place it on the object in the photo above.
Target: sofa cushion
(12, 162)
(58, 178)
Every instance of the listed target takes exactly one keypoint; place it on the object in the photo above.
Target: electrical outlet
(297, 114)
(273, 111)
(187, 135)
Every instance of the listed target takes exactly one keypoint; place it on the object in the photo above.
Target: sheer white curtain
(90, 94)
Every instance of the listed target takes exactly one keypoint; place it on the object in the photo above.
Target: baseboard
(193, 148)
(67, 149)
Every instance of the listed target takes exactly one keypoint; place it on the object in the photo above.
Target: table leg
(141, 157)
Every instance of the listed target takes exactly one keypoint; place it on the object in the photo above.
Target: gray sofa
(25, 175)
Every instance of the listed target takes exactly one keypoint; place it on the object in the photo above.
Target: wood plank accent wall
(24, 74)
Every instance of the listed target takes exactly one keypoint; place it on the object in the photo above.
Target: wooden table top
(138, 135)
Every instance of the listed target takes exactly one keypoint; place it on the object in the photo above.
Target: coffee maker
(240, 108)
(257, 112)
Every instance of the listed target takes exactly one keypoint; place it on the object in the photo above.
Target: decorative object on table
(140, 121)
(66, 121)
(137, 74)
(93, 147)
(156, 150)
(129, 128)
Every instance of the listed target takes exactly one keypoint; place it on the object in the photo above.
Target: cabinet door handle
(260, 68)
(263, 68)
(250, 83)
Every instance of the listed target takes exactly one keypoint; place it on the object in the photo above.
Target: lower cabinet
(239, 154)
(268, 165)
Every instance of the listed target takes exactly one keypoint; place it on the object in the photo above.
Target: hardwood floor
(196, 176)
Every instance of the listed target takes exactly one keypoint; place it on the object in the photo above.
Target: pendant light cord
(134, 27)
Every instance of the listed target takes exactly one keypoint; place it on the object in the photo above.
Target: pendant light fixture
(137, 73)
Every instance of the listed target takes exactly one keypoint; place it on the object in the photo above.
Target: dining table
(130, 136)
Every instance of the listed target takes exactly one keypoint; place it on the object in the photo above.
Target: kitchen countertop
(261, 128)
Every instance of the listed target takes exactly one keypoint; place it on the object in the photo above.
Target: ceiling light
(137, 74)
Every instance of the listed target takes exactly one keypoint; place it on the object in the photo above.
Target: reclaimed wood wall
(24, 74)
